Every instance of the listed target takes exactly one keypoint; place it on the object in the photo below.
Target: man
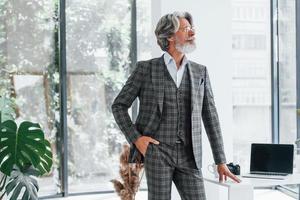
(174, 94)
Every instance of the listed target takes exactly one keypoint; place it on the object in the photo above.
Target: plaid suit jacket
(147, 83)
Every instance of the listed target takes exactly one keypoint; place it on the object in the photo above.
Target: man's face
(185, 37)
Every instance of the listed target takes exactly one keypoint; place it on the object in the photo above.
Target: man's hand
(224, 172)
(142, 143)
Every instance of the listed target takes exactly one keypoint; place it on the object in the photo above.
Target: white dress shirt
(175, 73)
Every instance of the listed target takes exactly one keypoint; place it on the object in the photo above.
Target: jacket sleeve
(124, 101)
(211, 123)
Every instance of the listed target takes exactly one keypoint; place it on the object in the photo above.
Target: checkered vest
(175, 121)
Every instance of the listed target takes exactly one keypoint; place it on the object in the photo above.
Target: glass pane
(98, 44)
(28, 71)
(145, 41)
(287, 70)
(251, 77)
(287, 77)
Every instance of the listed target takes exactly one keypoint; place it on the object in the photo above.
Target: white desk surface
(254, 182)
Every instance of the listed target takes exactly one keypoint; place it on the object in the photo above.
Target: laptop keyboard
(270, 173)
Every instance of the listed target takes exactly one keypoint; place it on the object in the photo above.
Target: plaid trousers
(164, 164)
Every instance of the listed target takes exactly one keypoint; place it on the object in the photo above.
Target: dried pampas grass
(130, 174)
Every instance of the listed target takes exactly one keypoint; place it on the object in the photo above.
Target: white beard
(185, 48)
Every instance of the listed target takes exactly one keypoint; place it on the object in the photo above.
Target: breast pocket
(201, 87)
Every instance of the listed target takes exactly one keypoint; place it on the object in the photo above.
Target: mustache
(191, 38)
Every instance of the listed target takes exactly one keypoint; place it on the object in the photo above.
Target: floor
(258, 195)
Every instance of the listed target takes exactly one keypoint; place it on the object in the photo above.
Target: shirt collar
(168, 59)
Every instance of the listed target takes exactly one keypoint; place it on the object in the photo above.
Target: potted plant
(24, 155)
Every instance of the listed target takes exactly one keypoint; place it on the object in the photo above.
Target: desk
(244, 190)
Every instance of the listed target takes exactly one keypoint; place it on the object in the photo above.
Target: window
(287, 71)
(98, 40)
(29, 69)
(251, 78)
(249, 42)
(287, 77)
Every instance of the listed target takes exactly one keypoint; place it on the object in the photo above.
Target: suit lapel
(158, 80)
(196, 81)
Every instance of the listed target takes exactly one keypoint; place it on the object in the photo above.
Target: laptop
(271, 161)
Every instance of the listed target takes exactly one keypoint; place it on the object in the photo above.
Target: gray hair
(168, 25)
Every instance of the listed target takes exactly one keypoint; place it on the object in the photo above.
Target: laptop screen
(272, 158)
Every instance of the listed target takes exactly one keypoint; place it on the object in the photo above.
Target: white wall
(212, 20)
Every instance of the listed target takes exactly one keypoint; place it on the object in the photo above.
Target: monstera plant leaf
(23, 146)
(22, 179)
(2, 184)
(6, 109)
(46, 160)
